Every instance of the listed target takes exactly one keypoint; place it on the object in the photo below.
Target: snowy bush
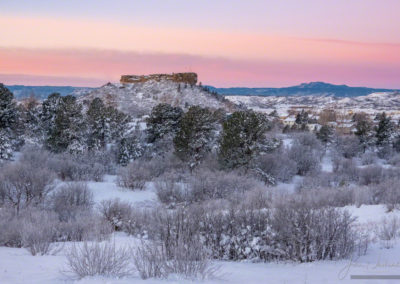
(371, 175)
(38, 231)
(388, 231)
(368, 158)
(278, 165)
(24, 186)
(348, 146)
(296, 231)
(117, 213)
(306, 156)
(345, 171)
(10, 233)
(171, 189)
(150, 260)
(305, 234)
(134, 176)
(71, 199)
(204, 185)
(98, 259)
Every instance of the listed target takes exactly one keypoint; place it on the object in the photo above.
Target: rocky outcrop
(188, 78)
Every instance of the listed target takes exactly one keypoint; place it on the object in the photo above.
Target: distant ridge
(42, 92)
(304, 89)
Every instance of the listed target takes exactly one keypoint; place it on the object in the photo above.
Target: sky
(253, 43)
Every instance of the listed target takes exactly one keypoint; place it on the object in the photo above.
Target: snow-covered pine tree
(8, 122)
(67, 132)
(241, 135)
(30, 121)
(96, 122)
(384, 131)
(364, 130)
(325, 133)
(196, 135)
(164, 120)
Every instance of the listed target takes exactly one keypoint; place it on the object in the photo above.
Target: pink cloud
(94, 67)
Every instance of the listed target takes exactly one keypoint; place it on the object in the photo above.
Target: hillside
(141, 97)
(304, 89)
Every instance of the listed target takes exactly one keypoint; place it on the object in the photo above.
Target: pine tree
(8, 110)
(8, 122)
(325, 133)
(384, 131)
(129, 148)
(67, 132)
(241, 136)
(195, 136)
(96, 121)
(364, 130)
(163, 121)
(30, 121)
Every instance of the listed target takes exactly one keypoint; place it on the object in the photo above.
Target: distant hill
(305, 89)
(42, 92)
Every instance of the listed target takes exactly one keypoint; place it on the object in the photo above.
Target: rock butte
(188, 78)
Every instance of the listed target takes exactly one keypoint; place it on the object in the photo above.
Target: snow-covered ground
(18, 266)
(109, 190)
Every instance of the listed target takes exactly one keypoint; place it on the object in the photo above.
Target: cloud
(88, 67)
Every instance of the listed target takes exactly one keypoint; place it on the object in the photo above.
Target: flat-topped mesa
(188, 78)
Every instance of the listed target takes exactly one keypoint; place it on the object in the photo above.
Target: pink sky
(262, 44)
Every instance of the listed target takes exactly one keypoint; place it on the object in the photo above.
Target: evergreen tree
(116, 124)
(302, 117)
(8, 122)
(50, 107)
(97, 124)
(364, 130)
(241, 136)
(384, 130)
(163, 121)
(325, 133)
(67, 133)
(196, 135)
(129, 148)
(30, 121)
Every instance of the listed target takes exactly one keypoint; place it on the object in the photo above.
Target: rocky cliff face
(188, 78)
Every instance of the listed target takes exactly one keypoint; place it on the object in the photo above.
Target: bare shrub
(389, 231)
(171, 189)
(326, 196)
(368, 158)
(205, 185)
(133, 176)
(305, 234)
(71, 199)
(191, 260)
(348, 146)
(150, 261)
(77, 168)
(395, 160)
(10, 234)
(85, 227)
(371, 175)
(117, 213)
(278, 165)
(24, 186)
(35, 157)
(103, 259)
(362, 195)
(386, 192)
(187, 259)
(306, 158)
(345, 171)
(38, 231)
